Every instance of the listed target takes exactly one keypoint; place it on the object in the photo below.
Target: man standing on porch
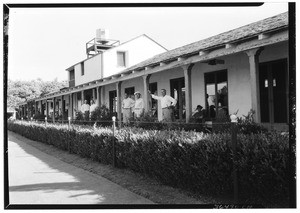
(127, 104)
(138, 105)
(167, 105)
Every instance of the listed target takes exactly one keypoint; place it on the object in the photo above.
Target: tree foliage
(19, 91)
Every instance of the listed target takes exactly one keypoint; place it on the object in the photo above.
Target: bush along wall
(201, 163)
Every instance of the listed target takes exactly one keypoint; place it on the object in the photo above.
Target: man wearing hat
(139, 105)
(198, 115)
(167, 104)
(127, 104)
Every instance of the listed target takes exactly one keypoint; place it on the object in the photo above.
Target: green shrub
(246, 124)
(150, 122)
(102, 116)
(199, 162)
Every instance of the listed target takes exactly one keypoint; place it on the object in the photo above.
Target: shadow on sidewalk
(78, 184)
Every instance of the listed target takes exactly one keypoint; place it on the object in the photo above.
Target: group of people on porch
(133, 107)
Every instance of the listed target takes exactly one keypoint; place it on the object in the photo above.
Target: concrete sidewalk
(38, 178)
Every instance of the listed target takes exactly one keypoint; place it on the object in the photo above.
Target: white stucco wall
(274, 52)
(238, 76)
(92, 70)
(137, 50)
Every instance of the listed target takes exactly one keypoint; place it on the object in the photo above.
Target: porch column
(31, 109)
(98, 96)
(146, 93)
(47, 108)
(70, 113)
(75, 101)
(35, 107)
(82, 97)
(27, 110)
(119, 102)
(102, 95)
(254, 81)
(53, 115)
(41, 107)
(187, 69)
(62, 109)
(93, 93)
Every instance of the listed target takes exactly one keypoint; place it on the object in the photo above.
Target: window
(72, 78)
(72, 75)
(129, 91)
(121, 59)
(78, 95)
(113, 101)
(82, 68)
(216, 94)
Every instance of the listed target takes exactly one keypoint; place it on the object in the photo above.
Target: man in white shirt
(139, 105)
(167, 105)
(93, 106)
(127, 104)
(85, 107)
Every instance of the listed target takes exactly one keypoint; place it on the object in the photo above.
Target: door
(113, 101)
(273, 91)
(178, 93)
(216, 103)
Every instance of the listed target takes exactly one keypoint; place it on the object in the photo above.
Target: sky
(44, 42)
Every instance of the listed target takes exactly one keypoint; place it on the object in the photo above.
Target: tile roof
(244, 32)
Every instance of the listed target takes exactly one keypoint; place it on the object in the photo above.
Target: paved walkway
(38, 178)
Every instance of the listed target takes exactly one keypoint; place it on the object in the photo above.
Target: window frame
(125, 58)
(215, 73)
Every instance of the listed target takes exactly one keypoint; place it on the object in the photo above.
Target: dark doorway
(153, 102)
(113, 101)
(273, 91)
(178, 93)
(88, 95)
(216, 103)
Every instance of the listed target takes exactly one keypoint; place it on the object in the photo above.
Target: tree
(19, 91)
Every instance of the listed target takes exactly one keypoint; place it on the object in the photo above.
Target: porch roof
(242, 33)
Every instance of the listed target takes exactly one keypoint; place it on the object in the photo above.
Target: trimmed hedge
(198, 162)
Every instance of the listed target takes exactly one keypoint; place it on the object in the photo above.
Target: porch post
(62, 109)
(253, 55)
(47, 108)
(41, 107)
(35, 107)
(75, 102)
(53, 115)
(28, 110)
(98, 96)
(119, 102)
(93, 93)
(20, 112)
(146, 93)
(187, 69)
(70, 113)
(82, 97)
(102, 95)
